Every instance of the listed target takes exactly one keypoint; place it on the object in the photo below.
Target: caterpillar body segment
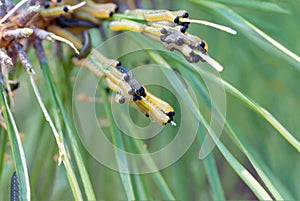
(102, 11)
(125, 25)
(159, 103)
(121, 96)
(86, 63)
(157, 116)
(134, 84)
(186, 51)
(49, 11)
(158, 15)
(197, 43)
(86, 16)
(179, 43)
(64, 33)
(103, 60)
(162, 24)
(167, 24)
(152, 37)
(172, 35)
(137, 87)
(124, 70)
(49, 5)
(103, 6)
(69, 2)
(141, 12)
(114, 72)
(103, 14)
(72, 22)
(171, 16)
(126, 76)
(174, 39)
(142, 108)
(116, 77)
(152, 30)
(128, 25)
(108, 6)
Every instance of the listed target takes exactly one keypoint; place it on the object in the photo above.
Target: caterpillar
(121, 80)
(14, 188)
(67, 21)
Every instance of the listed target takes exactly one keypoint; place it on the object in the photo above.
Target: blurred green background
(251, 65)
